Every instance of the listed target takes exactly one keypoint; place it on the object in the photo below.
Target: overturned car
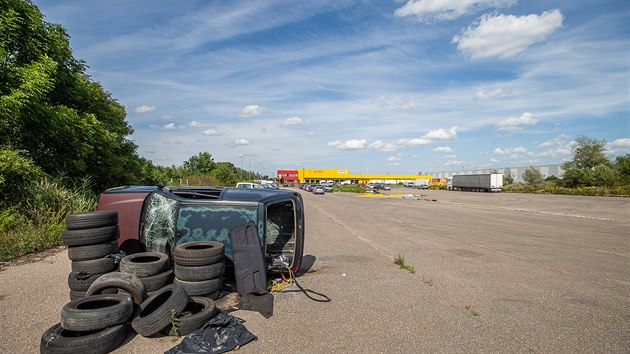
(157, 219)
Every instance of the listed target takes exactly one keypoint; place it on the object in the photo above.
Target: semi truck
(482, 182)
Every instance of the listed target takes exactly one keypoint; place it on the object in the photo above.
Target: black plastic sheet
(221, 334)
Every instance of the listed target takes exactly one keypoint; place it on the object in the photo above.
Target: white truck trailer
(482, 182)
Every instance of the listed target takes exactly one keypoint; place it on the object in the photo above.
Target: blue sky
(373, 86)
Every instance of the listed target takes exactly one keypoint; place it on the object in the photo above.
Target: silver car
(319, 190)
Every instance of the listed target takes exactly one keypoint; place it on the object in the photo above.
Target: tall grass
(36, 221)
(623, 191)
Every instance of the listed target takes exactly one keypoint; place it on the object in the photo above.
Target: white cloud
(429, 10)
(516, 123)
(172, 142)
(483, 94)
(379, 145)
(619, 146)
(441, 134)
(212, 132)
(170, 126)
(393, 158)
(455, 163)
(560, 140)
(394, 164)
(252, 110)
(195, 124)
(509, 151)
(505, 36)
(493, 160)
(450, 156)
(293, 121)
(414, 141)
(352, 144)
(443, 149)
(144, 109)
(401, 103)
(241, 142)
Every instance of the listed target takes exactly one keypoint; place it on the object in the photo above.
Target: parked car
(387, 187)
(423, 186)
(328, 188)
(249, 185)
(158, 219)
(319, 190)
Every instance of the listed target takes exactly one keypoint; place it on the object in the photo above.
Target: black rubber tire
(144, 264)
(203, 287)
(119, 280)
(99, 250)
(158, 281)
(213, 296)
(94, 266)
(198, 253)
(197, 273)
(76, 295)
(90, 236)
(57, 340)
(198, 311)
(81, 285)
(91, 219)
(155, 312)
(96, 312)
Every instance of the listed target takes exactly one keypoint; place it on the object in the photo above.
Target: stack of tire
(150, 267)
(92, 324)
(199, 268)
(90, 238)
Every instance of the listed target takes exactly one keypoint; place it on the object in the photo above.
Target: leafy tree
(50, 109)
(587, 153)
(532, 176)
(622, 166)
(200, 164)
(225, 173)
(508, 177)
(589, 165)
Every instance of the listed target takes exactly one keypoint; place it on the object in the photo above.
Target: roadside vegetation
(589, 172)
(400, 261)
(64, 139)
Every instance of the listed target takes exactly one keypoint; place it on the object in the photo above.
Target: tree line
(57, 123)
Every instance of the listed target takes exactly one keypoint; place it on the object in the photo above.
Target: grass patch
(551, 189)
(35, 222)
(400, 261)
(473, 312)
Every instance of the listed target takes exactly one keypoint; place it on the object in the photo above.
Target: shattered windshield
(159, 226)
(202, 222)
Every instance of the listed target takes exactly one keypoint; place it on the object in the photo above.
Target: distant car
(423, 186)
(319, 190)
(328, 188)
(249, 185)
(387, 187)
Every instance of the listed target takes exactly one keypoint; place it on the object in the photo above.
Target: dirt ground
(494, 273)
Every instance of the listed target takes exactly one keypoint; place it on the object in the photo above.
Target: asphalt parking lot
(494, 273)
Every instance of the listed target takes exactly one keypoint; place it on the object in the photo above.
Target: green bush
(352, 188)
(35, 222)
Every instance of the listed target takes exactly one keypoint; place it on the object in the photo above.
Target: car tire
(94, 266)
(197, 273)
(158, 281)
(92, 219)
(81, 285)
(155, 311)
(57, 340)
(198, 253)
(96, 312)
(84, 253)
(119, 280)
(203, 287)
(197, 313)
(144, 264)
(90, 236)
